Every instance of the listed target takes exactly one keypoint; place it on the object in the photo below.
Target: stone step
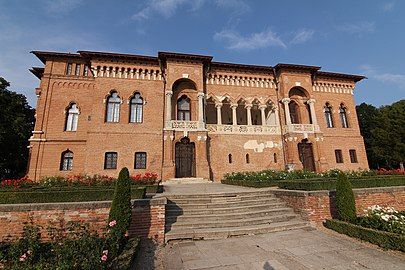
(229, 223)
(230, 216)
(252, 192)
(172, 205)
(224, 210)
(186, 180)
(247, 197)
(216, 233)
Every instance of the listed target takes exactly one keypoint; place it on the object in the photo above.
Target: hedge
(245, 183)
(383, 239)
(75, 195)
(330, 184)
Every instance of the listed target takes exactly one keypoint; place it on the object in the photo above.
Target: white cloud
(373, 73)
(302, 36)
(387, 7)
(60, 7)
(357, 28)
(166, 8)
(236, 41)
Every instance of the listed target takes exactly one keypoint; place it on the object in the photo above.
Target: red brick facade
(236, 118)
(148, 217)
(317, 206)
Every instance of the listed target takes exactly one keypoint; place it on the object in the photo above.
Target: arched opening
(256, 113)
(247, 157)
(229, 158)
(211, 112)
(72, 117)
(299, 109)
(226, 112)
(113, 108)
(343, 116)
(294, 112)
(270, 113)
(136, 109)
(241, 112)
(328, 115)
(184, 100)
(185, 158)
(306, 155)
(183, 108)
(66, 162)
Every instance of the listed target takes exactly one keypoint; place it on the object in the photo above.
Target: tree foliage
(345, 201)
(16, 123)
(383, 130)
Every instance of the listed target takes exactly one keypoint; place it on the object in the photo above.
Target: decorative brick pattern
(317, 206)
(148, 217)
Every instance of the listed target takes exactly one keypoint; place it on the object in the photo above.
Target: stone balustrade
(243, 129)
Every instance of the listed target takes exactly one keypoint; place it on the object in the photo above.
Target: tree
(16, 124)
(345, 201)
(383, 130)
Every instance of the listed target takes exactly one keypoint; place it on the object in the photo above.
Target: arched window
(136, 109)
(343, 116)
(66, 162)
(183, 109)
(113, 108)
(230, 158)
(328, 115)
(294, 112)
(247, 159)
(275, 158)
(72, 116)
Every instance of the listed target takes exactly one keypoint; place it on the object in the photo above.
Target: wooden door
(306, 156)
(185, 158)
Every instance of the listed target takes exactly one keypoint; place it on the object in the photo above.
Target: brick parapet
(317, 206)
(148, 217)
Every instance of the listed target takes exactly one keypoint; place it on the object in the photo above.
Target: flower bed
(330, 184)
(64, 195)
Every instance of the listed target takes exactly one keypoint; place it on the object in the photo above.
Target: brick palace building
(184, 115)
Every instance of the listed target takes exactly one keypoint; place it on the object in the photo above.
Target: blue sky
(360, 37)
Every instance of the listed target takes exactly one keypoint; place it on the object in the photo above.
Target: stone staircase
(222, 215)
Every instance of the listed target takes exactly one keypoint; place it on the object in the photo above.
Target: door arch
(185, 158)
(306, 155)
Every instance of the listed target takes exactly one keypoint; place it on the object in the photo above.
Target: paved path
(296, 249)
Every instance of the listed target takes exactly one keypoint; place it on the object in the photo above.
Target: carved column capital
(200, 95)
(218, 105)
(248, 106)
(286, 100)
(311, 101)
(169, 93)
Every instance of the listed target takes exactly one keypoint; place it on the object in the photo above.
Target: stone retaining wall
(148, 217)
(317, 206)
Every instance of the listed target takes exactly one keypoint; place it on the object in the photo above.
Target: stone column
(248, 108)
(234, 118)
(312, 111)
(263, 112)
(169, 95)
(286, 101)
(219, 113)
(201, 96)
(277, 117)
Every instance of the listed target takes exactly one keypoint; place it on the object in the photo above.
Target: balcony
(301, 128)
(243, 129)
(179, 125)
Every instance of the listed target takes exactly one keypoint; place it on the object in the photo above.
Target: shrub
(70, 195)
(383, 219)
(383, 239)
(120, 212)
(345, 201)
(330, 184)
(144, 179)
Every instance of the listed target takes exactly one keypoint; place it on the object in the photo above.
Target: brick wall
(148, 217)
(317, 206)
